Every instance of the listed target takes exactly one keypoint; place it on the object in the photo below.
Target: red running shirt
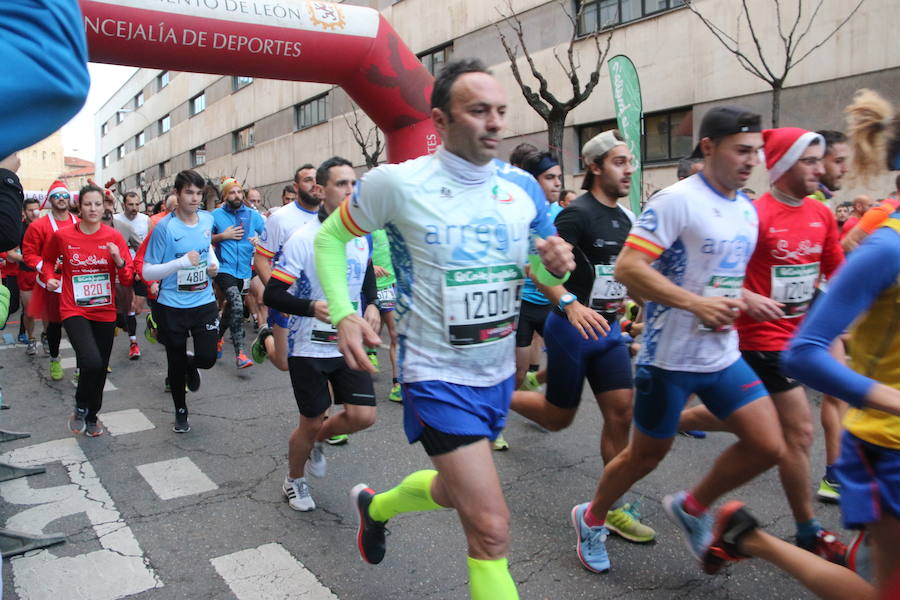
(89, 273)
(796, 246)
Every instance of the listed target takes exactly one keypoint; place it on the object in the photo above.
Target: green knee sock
(490, 580)
(412, 495)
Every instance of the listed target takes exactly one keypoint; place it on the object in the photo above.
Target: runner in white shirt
(687, 256)
(461, 227)
(279, 227)
(134, 227)
(314, 359)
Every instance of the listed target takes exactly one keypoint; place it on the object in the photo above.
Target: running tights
(233, 317)
(54, 337)
(179, 364)
(92, 342)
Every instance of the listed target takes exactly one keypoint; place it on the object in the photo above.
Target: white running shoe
(296, 492)
(317, 466)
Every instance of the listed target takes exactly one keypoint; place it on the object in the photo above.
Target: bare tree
(370, 142)
(544, 102)
(785, 56)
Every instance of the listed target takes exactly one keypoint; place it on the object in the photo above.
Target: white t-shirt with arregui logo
(459, 250)
(702, 242)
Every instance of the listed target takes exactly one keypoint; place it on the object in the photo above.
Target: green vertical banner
(626, 91)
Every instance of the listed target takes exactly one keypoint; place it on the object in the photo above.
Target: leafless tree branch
(364, 140)
(830, 35)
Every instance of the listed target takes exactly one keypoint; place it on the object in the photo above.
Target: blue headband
(546, 163)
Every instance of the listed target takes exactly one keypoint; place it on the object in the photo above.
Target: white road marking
(68, 362)
(65, 344)
(176, 478)
(121, 422)
(108, 385)
(117, 570)
(269, 572)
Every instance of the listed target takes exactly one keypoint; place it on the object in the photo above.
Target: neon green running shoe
(395, 395)
(373, 358)
(626, 522)
(149, 329)
(56, 370)
(829, 490)
(500, 444)
(258, 348)
(339, 439)
(530, 383)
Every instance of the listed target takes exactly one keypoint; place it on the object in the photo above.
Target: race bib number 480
(481, 303)
(193, 279)
(794, 286)
(92, 290)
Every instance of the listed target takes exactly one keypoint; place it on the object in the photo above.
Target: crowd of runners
(500, 291)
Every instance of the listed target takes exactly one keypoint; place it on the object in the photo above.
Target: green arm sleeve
(540, 273)
(331, 265)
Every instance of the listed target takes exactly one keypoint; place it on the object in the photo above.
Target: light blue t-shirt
(171, 239)
(236, 256)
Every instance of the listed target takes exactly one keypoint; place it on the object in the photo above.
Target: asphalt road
(150, 514)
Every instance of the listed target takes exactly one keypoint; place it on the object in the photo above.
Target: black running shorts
(310, 378)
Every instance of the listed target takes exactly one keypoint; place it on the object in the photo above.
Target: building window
(198, 156)
(603, 14)
(164, 124)
(589, 130)
(139, 99)
(105, 160)
(104, 129)
(139, 140)
(668, 135)
(238, 82)
(198, 104)
(120, 151)
(242, 139)
(162, 80)
(120, 115)
(434, 60)
(311, 112)
(165, 168)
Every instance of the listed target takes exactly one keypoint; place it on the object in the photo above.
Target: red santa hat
(57, 187)
(784, 146)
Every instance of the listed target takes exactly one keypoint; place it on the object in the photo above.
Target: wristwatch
(567, 299)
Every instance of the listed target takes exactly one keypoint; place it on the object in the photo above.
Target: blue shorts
(456, 409)
(660, 395)
(870, 481)
(570, 358)
(277, 318)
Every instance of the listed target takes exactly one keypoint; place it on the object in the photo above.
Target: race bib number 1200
(794, 286)
(481, 304)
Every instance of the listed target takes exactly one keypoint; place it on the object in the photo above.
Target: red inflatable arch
(296, 40)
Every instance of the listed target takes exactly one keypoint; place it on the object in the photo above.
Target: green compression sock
(412, 495)
(490, 580)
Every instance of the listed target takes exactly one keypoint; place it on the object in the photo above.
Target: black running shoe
(181, 421)
(370, 535)
(733, 522)
(192, 376)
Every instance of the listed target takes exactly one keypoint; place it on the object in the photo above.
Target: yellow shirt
(875, 353)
